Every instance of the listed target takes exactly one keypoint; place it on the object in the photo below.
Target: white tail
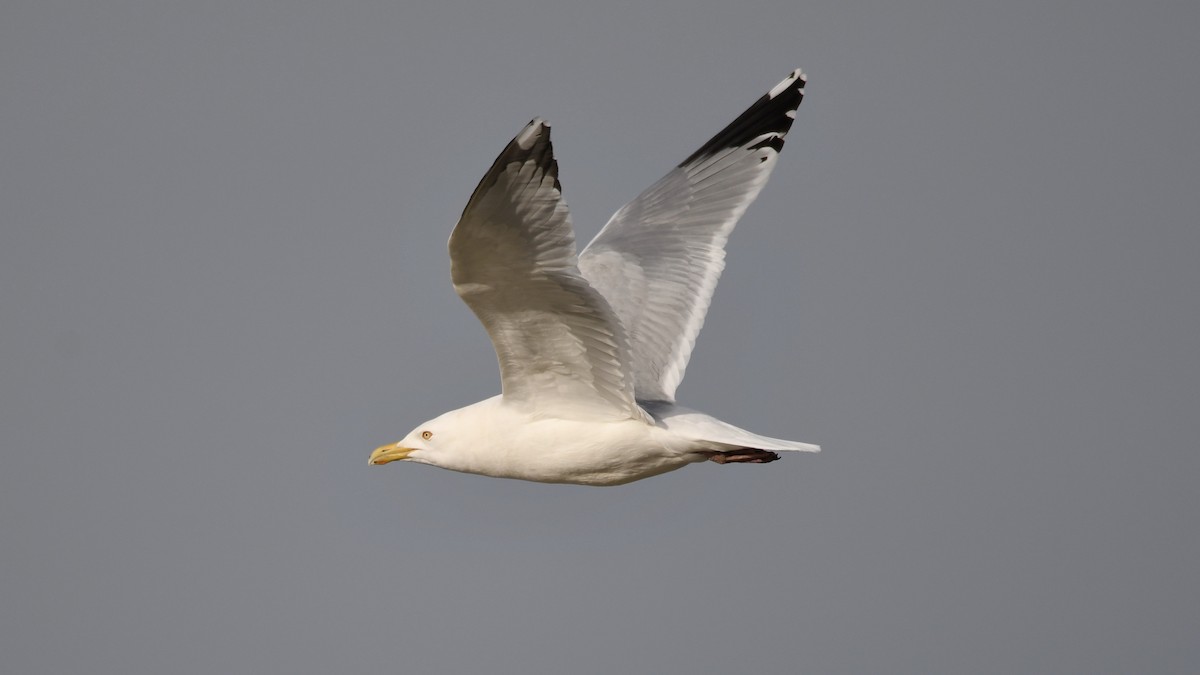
(692, 424)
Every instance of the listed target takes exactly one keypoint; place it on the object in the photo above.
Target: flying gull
(592, 347)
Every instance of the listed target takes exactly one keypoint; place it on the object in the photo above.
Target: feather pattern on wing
(561, 349)
(658, 259)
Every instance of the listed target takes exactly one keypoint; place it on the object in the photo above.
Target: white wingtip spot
(783, 86)
(530, 133)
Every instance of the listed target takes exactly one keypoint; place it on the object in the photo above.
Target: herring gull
(592, 347)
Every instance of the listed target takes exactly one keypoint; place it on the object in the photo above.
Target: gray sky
(972, 279)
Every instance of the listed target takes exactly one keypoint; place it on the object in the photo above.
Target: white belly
(581, 452)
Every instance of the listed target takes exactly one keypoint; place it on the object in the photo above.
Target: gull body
(592, 347)
(493, 438)
(500, 439)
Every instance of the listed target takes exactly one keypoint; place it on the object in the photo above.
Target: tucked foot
(748, 455)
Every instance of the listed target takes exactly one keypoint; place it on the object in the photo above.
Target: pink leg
(747, 455)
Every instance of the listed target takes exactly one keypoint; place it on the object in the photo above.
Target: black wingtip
(532, 144)
(773, 113)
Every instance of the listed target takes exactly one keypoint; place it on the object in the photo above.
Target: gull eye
(427, 435)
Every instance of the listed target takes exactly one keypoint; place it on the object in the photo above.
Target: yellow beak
(388, 453)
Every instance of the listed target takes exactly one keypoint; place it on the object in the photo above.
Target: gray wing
(561, 349)
(658, 259)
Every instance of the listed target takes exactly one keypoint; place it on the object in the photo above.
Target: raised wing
(513, 262)
(658, 259)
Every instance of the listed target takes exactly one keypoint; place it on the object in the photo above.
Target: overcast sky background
(972, 278)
